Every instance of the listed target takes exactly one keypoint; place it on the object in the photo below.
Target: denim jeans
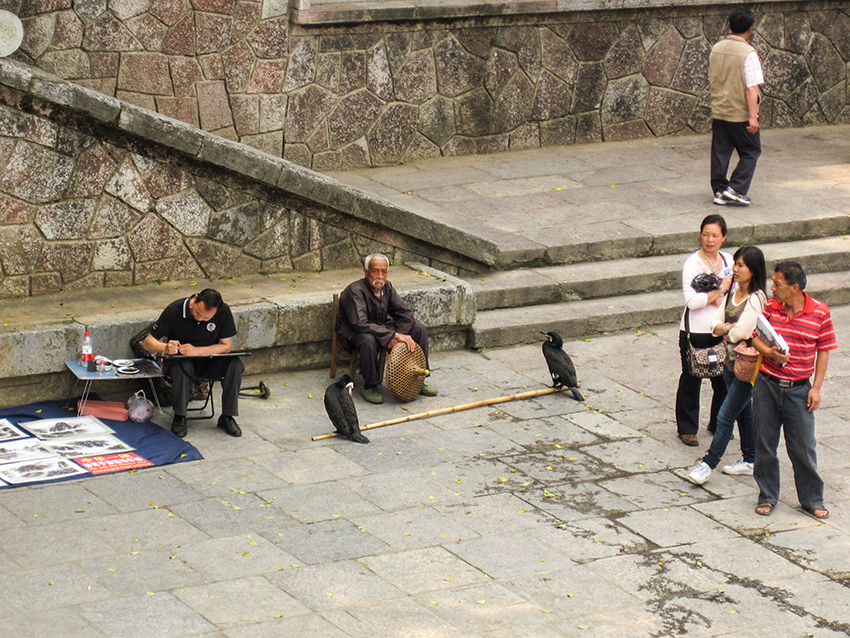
(736, 405)
(775, 408)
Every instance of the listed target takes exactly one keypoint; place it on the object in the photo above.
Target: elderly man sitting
(372, 315)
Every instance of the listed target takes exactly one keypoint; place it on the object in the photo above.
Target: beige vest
(726, 79)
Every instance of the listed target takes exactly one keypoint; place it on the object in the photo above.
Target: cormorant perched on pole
(560, 365)
(340, 408)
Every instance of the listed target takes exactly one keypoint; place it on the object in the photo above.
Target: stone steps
(587, 299)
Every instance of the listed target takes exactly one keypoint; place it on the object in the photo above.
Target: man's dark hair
(740, 20)
(793, 273)
(210, 297)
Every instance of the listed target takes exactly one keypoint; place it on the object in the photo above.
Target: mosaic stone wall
(382, 94)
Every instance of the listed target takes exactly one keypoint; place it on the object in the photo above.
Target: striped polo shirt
(808, 332)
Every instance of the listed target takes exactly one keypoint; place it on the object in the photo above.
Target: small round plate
(127, 370)
(122, 363)
(11, 33)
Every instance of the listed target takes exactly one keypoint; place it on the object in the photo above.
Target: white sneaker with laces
(739, 468)
(718, 199)
(700, 474)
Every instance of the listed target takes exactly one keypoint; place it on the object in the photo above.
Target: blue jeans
(778, 407)
(736, 405)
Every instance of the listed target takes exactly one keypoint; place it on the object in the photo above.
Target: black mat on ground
(149, 441)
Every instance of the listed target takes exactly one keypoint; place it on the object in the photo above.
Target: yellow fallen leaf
(133, 553)
(252, 542)
(112, 569)
(247, 554)
(520, 511)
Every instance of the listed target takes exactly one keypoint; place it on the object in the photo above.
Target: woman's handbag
(747, 362)
(704, 363)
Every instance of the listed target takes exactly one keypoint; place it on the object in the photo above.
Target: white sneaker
(739, 468)
(700, 474)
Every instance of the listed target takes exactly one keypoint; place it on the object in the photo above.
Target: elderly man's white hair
(369, 259)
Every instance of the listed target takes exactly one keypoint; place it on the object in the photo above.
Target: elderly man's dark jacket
(360, 311)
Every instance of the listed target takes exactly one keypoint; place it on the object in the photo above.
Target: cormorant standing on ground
(340, 408)
(560, 365)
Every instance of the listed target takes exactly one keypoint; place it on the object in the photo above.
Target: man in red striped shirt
(784, 394)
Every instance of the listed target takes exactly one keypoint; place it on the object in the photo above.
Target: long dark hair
(754, 260)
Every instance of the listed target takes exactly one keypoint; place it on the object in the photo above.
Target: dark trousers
(725, 138)
(369, 349)
(183, 373)
(687, 396)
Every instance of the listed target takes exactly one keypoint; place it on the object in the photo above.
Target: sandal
(818, 512)
(764, 509)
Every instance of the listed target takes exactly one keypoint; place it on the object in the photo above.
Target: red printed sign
(113, 463)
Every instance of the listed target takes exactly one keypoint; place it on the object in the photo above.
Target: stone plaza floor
(537, 518)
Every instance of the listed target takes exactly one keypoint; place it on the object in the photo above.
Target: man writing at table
(193, 327)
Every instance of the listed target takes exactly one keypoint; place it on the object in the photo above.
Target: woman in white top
(699, 307)
(735, 321)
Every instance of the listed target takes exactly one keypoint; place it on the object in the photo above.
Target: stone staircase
(592, 297)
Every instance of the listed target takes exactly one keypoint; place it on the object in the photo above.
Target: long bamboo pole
(449, 410)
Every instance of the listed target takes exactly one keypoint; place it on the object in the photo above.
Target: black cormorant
(340, 408)
(560, 365)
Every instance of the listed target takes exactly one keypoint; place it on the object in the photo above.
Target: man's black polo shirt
(177, 324)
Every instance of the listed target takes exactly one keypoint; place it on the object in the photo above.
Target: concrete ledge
(286, 321)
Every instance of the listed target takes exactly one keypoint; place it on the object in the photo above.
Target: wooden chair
(352, 362)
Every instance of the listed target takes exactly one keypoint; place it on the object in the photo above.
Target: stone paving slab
(273, 534)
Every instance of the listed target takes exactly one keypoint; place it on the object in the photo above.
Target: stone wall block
(71, 64)
(590, 87)
(104, 65)
(689, 26)
(459, 146)
(117, 278)
(45, 283)
(771, 27)
(20, 249)
(184, 109)
(352, 117)
(299, 233)
(327, 72)
(437, 120)
(392, 133)
(511, 37)
(798, 32)
(524, 137)
(213, 106)
(237, 226)
(216, 259)
(378, 77)
(181, 38)
(212, 67)
(216, 195)
(269, 39)
(415, 81)
(69, 31)
(246, 15)
(246, 113)
(153, 239)
(552, 98)
(339, 256)
(667, 111)
(185, 72)
(661, 60)
(801, 100)
(306, 109)
(783, 73)
(29, 160)
(298, 154)
(38, 34)
(784, 117)
(212, 32)
(832, 102)
(473, 113)
(14, 211)
(319, 141)
(127, 185)
(113, 254)
(308, 262)
(301, 69)
(625, 99)
(626, 56)
(268, 76)
(112, 218)
(477, 40)
(591, 41)
(126, 9)
(501, 66)
(560, 132)
(169, 11)
(14, 287)
(145, 73)
(457, 70)
(692, 73)
(420, 148)
(238, 62)
(150, 271)
(625, 131)
(71, 260)
(715, 26)
(826, 65)
(148, 30)
(814, 117)
(272, 112)
(322, 234)
(107, 33)
(187, 212)
(68, 219)
(89, 10)
(168, 179)
(588, 128)
(271, 244)
(557, 57)
(530, 55)
(214, 6)
(185, 266)
(699, 119)
(397, 46)
(838, 31)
